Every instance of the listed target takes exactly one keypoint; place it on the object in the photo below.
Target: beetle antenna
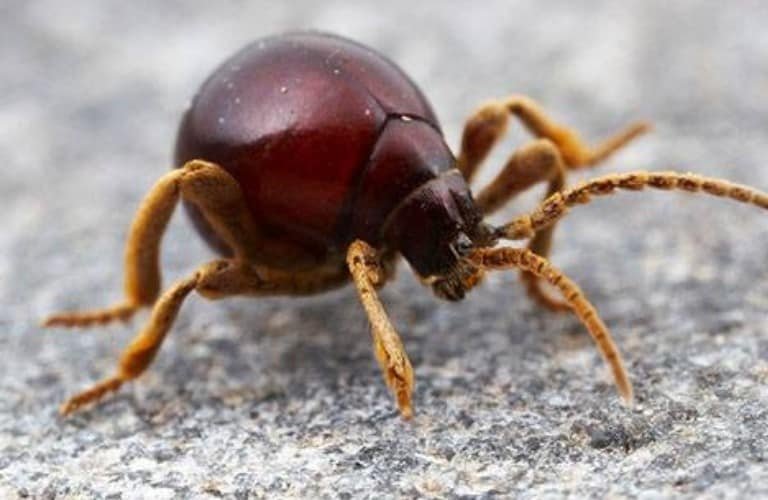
(556, 206)
(526, 260)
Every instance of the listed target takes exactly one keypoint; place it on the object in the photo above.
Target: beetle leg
(548, 158)
(388, 348)
(576, 153)
(535, 162)
(489, 122)
(215, 280)
(204, 184)
(524, 259)
(142, 350)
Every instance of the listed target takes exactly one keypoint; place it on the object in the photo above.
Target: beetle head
(435, 228)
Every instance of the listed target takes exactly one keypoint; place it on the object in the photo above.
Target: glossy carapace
(327, 138)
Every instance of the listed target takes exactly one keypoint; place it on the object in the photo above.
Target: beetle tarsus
(84, 319)
(91, 395)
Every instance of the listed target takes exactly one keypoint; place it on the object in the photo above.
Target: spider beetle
(308, 160)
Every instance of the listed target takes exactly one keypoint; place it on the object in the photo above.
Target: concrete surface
(282, 398)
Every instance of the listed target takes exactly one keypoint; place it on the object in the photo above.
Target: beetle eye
(463, 244)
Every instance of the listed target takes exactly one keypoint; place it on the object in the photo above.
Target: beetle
(307, 161)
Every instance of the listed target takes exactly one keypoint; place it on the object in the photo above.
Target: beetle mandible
(308, 160)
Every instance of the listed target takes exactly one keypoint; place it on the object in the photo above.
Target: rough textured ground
(282, 398)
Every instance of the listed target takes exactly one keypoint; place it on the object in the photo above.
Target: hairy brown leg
(541, 244)
(537, 161)
(524, 259)
(219, 198)
(575, 151)
(489, 122)
(142, 350)
(531, 164)
(206, 185)
(556, 206)
(547, 159)
(367, 274)
(215, 280)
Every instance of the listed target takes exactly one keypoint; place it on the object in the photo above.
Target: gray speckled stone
(282, 398)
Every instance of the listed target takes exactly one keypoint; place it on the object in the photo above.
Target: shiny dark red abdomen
(324, 135)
